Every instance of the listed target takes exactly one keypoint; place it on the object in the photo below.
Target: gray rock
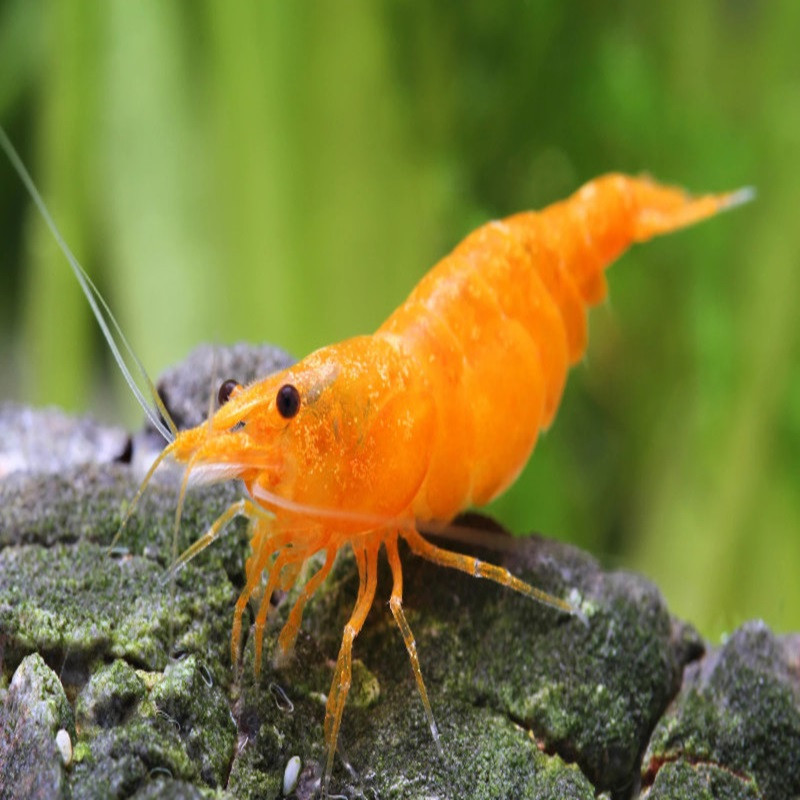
(34, 709)
(49, 440)
(736, 721)
(682, 780)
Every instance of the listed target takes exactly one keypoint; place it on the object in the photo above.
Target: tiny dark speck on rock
(126, 455)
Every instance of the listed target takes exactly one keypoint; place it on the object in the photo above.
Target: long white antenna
(105, 319)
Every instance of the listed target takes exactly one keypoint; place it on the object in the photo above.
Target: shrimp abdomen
(496, 324)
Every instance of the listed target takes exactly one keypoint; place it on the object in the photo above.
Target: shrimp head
(346, 430)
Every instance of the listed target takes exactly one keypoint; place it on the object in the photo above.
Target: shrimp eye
(225, 391)
(288, 401)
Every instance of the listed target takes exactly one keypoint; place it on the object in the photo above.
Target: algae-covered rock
(487, 752)
(67, 598)
(737, 717)
(198, 708)
(520, 691)
(683, 780)
(530, 702)
(172, 727)
(109, 696)
(589, 693)
(33, 711)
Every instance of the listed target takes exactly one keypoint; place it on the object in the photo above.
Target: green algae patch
(89, 504)
(279, 715)
(485, 755)
(685, 781)
(121, 759)
(588, 692)
(72, 600)
(110, 696)
(739, 711)
(164, 788)
(521, 693)
(180, 731)
(75, 604)
(366, 688)
(198, 708)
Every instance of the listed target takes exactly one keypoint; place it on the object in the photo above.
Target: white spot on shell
(291, 774)
(64, 745)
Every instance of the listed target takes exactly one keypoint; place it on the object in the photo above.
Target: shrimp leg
(292, 627)
(284, 558)
(361, 563)
(396, 604)
(243, 507)
(368, 556)
(263, 547)
(480, 569)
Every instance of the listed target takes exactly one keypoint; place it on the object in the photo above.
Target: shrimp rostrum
(435, 412)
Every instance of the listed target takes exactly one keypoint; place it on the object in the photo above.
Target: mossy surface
(589, 693)
(738, 710)
(110, 696)
(74, 603)
(682, 780)
(173, 726)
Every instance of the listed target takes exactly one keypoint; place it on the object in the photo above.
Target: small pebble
(291, 774)
(64, 745)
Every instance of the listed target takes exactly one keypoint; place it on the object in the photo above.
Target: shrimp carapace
(437, 411)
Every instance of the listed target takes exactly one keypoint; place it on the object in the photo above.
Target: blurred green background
(286, 171)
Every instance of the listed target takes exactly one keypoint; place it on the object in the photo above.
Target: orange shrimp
(437, 411)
